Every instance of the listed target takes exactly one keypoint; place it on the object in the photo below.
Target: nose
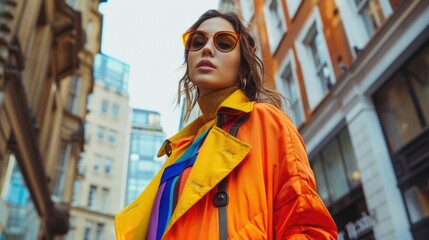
(208, 49)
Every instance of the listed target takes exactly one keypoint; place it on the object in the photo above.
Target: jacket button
(221, 199)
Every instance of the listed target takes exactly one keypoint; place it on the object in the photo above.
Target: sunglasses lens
(195, 41)
(225, 42)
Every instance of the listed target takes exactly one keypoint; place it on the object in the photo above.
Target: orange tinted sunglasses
(224, 41)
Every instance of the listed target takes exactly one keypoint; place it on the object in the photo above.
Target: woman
(240, 170)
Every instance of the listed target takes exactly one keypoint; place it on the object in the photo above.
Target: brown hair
(250, 79)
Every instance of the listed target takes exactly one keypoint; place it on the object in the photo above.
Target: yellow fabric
(270, 184)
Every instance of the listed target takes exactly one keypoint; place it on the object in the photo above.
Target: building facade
(355, 74)
(146, 138)
(46, 57)
(97, 187)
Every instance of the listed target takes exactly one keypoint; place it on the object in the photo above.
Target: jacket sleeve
(299, 213)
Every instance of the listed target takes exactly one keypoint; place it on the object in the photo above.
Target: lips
(205, 64)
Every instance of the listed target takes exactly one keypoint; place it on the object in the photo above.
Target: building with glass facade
(146, 138)
(98, 184)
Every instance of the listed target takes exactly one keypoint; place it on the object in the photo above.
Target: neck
(210, 103)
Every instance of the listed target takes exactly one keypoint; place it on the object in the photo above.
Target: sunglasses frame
(186, 36)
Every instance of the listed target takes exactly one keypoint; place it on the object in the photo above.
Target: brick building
(355, 74)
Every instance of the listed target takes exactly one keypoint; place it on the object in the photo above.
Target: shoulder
(270, 113)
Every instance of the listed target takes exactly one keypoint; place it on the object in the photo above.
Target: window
(89, 101)
(72, 224)
(276, 25)
(100, 133)
(73, 97)
(361, 18)
(88, 230)
(89, 33)
(104, 106)
(97, 163)
(312, 52)
(92, 196)
(73, 3)
(86, 131)
(61, 171)
(371, 13)
(319, 56)
(247, 9)
(108, 166)
(335, 169)
(403, 104)
(417, 201)
(292, 7)
(287, 85)
(100, 230)
(76, 190)
(115, 110)
(105, 199)
(112, 137)
(227, 5)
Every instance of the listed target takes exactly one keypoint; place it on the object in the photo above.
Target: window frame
(275, 32)
(314, 23)
(289, 64)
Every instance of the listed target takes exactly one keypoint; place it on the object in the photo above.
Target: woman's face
(210, 69)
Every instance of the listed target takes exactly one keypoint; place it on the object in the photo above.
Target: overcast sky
(147, 35)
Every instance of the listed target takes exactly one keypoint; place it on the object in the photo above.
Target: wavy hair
(251, 73)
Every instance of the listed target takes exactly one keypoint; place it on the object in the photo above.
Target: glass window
(105, 199)
(274, 14)
(73, 98)
(89, 33)
(403, 104)
(73, 3)
(227, 5)
(320, 59)
(72, 229)
(104, 106)
(89, 101)
(247, 9)
(112, 137)
(276, 26)
(108, 166)
(353, 173)
(418, 72)
(397, 113)
(115, 110)
(100, 230)
(291, 93)
(76, 190)
(92, 196)
(322, 187)
(417, 201)
(61, 170)
(100, 133)
(97, 163)
(88, 230)
(335, 170)
(371, 13)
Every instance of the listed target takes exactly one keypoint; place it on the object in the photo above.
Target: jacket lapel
(212, 165)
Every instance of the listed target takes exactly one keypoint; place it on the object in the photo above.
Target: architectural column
(379, 183)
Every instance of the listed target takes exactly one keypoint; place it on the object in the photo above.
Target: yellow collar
(236, 103)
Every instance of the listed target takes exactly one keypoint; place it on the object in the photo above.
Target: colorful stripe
(172, 182)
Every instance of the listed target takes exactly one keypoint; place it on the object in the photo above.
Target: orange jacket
(271, 187)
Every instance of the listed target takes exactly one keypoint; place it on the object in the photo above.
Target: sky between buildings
(147, 36)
